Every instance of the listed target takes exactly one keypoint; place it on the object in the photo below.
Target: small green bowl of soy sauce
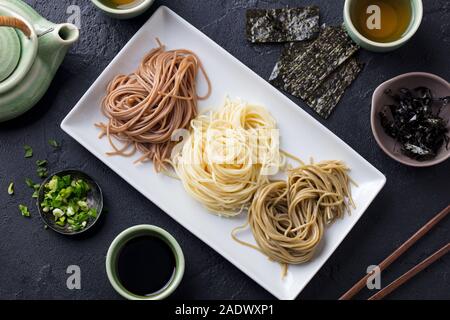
(123, 9)
(145, 262)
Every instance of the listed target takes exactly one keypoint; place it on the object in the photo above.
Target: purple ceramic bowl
(438, 86)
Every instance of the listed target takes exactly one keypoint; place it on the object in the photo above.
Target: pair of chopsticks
(396, 254)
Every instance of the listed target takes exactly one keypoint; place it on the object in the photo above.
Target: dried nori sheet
(290, 52)
(282, 25)
(306, 72)
(327, 95)
(321, 93)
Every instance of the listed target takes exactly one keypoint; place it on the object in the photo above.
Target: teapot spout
(66, 34)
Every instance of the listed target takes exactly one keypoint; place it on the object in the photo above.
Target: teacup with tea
(382, 25)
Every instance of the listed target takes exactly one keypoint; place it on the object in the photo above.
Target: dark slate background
(33, 260)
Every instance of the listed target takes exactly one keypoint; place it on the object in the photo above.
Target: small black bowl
(94, 200)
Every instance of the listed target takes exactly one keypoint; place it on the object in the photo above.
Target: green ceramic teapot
(31, 50)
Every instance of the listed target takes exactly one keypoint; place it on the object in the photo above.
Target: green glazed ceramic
(378, 46)
(127, 235)
(28, 65)
(124, 13)
(9, 59)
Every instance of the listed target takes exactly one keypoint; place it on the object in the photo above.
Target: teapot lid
(10, 56)
(19, 46)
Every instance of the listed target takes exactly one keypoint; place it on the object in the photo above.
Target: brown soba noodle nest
(144, 108)
(288, 218)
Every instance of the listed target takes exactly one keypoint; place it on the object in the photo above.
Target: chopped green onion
(67, 179)
(92, 213)
(24, 210)
(42, 172)
(32, 185)
(66, 199)
(29, 182)
(53, 143)
(11, 189)
(28, 151)
(41, 163)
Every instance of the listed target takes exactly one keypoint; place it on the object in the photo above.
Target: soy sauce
(145, 265)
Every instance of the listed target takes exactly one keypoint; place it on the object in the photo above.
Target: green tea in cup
(382, 20)
(121, 4)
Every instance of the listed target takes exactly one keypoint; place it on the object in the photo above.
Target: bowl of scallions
(70, 202)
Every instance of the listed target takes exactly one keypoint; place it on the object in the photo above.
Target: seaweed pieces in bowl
(70, 202)
(414, 121)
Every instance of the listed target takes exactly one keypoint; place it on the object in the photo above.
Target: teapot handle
(13, 22)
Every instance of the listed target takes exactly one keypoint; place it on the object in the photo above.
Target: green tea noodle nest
(288, 218)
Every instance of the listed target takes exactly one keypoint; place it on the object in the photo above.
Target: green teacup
(129, 234)
(129, 13)
(416, 19)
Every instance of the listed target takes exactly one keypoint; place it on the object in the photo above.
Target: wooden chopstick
(411, 273)
(397, 253)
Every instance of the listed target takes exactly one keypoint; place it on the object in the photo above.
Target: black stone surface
(33, 261)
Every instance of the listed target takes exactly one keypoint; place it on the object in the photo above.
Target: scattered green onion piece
(24, 210)
(41, 163)
(42, 172)
(28, 151)
(11, 189)
(32, 185)
(53, 143)
(29, 182)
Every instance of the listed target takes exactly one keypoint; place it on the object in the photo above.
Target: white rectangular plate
(301, 135)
